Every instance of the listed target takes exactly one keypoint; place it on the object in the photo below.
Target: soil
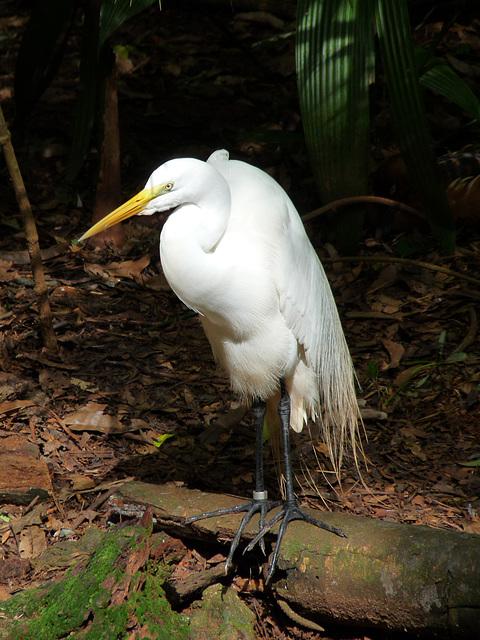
(133, 391)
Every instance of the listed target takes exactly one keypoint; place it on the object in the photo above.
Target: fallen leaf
(92, 418)
(7, 274)
(84, 385)
(115, 270)
(407, 374)
(81, 483)
(32, 542)
(419, 501)
(395, 351)
(15, 405)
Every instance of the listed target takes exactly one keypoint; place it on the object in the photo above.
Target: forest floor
(134, 391)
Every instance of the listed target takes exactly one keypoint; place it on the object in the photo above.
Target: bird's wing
(311, 313)
(305, 298)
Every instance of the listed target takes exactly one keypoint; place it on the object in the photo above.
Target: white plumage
(237, 252)
(234, 249)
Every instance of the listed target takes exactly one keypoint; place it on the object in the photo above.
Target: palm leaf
(409, 118)
(334, 59)
(113, 13)
(439, 77)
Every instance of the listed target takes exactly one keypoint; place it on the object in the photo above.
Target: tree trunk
(108, 194)
(384, 575)
(31, 236)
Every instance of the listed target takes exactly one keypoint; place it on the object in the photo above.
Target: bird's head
(174, 183)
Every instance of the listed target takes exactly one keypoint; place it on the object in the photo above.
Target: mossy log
(384, 575)
(115, 589)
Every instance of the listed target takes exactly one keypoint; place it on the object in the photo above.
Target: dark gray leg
(259, 503)
(291, 510)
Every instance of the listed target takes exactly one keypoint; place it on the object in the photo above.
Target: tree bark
(384, 575)
(31, 235)
(108, 194)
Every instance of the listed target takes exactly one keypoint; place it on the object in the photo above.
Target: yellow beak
(130, 208)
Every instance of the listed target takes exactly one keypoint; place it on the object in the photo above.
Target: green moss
(222, 616)
(153, 610)
(80, 605)
(108, 624)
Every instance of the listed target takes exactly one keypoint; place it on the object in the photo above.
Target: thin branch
(405, 261)
(346, 202)
(31, 235)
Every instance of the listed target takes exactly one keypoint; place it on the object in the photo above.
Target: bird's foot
(259, 504)
(290, 511)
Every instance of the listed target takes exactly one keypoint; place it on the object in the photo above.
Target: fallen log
(23, 478)
(384, 575)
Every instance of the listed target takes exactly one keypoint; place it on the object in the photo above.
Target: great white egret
(234, 249)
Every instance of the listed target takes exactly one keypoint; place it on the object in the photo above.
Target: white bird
(235, 250)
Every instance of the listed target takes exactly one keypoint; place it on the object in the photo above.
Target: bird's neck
(188, 244)
(202, 223)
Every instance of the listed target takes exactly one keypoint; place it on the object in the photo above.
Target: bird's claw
(256, 505)
(290, 511)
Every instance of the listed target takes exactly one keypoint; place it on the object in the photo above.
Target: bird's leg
(260, 495)
(290, 510)
(259, 502)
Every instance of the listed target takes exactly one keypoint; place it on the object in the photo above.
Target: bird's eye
(168, 186)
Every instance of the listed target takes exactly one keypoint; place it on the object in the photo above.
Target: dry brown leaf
(32, 542)
(395, 351)
(81, 483)
(386, 304)
(91, 418)
(406, 375)
(7, 274)
(116, 270)
(157, 282)
(388, 275)
(15, 405)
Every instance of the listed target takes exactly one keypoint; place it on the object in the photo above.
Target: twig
(345, 202)
(31, 235)
(471, 333)
(407, 262)
(297, 618)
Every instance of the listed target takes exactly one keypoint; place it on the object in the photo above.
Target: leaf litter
(134, 392)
